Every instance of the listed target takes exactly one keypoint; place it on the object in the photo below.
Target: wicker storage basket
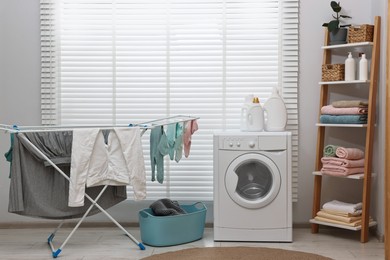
(333, 72)
(363, 33)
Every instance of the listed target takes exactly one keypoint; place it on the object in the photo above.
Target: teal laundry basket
(173, 230)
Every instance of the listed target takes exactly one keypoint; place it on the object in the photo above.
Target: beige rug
(235, 253)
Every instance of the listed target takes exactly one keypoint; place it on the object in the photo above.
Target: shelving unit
(328, 50)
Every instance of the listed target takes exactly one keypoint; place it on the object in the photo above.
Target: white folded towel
(342, 206)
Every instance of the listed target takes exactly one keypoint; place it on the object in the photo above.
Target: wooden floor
(109, 243)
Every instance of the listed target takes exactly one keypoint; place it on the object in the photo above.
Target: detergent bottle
(244, 112)
(254, 116)
(275, 113)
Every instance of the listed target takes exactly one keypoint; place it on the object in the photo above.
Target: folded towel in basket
(166, 207)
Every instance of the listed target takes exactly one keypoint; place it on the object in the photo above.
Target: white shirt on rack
(94, 163)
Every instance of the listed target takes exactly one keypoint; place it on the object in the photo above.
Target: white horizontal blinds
(48, 62)
(252, 51)
(129, 61)
(262, 53)
(289, 77)
(142, 72)
(142, 60)
(195, 84)
(87, 63)
(169, 62)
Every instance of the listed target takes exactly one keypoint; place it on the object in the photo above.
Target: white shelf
(343, 82)
(359, 176)
(348, 45)
(313, 221)
(342, 125)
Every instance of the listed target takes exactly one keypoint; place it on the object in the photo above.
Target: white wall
(20, 97)
(20, 78)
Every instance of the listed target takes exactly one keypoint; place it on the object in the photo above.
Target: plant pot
(338, 36)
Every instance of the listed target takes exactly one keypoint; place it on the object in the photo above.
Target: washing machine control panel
(239, 143)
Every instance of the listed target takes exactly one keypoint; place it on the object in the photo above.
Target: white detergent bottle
(255, 116)
(244, 112)
(363, 68)
(275, 113)
(350, 69)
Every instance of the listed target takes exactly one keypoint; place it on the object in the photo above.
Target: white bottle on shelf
(363, 68)
(350, 69)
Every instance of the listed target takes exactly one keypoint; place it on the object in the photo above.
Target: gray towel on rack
(40, 191)
(166, 207)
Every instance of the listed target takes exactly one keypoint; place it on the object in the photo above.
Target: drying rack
(144, 126)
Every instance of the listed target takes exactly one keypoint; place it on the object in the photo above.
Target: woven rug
(236, 253)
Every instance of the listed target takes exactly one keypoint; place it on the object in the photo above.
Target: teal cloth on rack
(330, 150)
(343, 119)
(8, 155)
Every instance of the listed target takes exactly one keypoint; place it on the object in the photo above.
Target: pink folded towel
(349, 153)
(331, 110)
(340, 171)
(342, 162)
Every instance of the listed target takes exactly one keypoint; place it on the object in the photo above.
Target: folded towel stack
(341, 161)
(341, 213)
(345, 112)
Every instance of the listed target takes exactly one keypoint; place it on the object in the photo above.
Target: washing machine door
(252, 180)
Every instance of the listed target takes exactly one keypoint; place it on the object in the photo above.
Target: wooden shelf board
(342, 125)
(359, 176)
(313, 221)
(348, 45)
(343, 82)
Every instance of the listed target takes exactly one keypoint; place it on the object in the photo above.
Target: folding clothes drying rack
(143, 127)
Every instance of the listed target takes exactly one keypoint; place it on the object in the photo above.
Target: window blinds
(129, 61)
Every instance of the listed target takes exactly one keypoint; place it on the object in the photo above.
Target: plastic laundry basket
(173, 230)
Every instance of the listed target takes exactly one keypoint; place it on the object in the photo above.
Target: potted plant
(337, 31)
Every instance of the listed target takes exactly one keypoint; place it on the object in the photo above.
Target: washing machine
(252, 186)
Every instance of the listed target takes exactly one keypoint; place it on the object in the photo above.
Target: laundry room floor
(109, 243)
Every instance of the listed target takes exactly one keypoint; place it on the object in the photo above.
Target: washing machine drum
(252, 180)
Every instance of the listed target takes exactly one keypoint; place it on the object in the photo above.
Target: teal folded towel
(343, 119)
(330, 150)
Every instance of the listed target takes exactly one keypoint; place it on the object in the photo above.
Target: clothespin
(15, 127)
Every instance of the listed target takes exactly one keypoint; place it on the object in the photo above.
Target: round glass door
(252, 180)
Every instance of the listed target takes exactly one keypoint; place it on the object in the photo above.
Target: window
(116, 62)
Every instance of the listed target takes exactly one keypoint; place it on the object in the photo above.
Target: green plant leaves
(333, 25)
(335, 6)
